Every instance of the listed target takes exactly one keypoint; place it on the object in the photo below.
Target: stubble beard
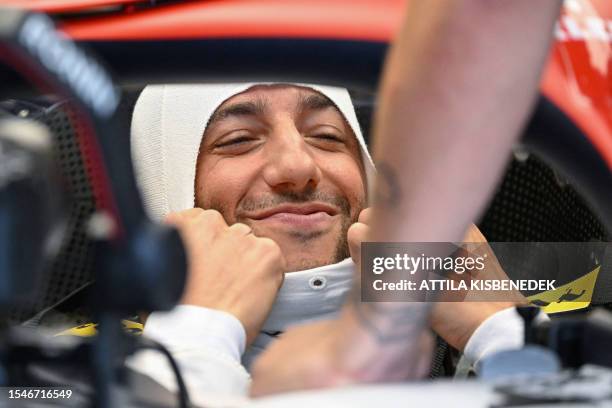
(308, 261)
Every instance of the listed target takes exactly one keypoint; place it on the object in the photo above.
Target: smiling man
(260, 179)
(268, 186)
(284, 161)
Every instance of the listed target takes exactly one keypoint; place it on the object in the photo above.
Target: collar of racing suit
(305, 296)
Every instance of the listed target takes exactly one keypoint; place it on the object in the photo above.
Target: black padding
(72, 268)
(533, 203)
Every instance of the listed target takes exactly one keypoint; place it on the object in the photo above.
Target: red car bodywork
(69, 6)
(577, 78)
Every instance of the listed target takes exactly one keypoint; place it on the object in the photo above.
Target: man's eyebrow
(315, 102)
(237, 109)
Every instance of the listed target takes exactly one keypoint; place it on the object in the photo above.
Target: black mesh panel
(72, 268)
(535, 204)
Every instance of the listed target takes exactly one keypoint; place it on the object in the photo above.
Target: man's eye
(328, 137)
(237, 141)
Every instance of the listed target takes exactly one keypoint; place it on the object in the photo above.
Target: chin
(306, 263)
(300, 256)
(307, 250)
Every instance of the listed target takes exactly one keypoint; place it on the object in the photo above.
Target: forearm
(458, 86)
(459, 83)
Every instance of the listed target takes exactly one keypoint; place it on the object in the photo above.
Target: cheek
(348, 177)
(220, 185)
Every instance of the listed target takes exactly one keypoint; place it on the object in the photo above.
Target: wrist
(383, 343)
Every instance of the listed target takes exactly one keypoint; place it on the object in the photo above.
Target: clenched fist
(230, 269)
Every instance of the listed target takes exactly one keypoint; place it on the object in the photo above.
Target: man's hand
(358, 347)
(358, 233)
(456, 321)
(345, 350)
(230, 269)
(337, 352)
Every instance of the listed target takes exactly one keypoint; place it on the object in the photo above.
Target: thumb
(356, 234)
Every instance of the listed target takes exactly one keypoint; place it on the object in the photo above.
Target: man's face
(283, 160)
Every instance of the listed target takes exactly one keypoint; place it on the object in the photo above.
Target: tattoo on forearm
(390, 323)
(387, 323)
(388, 193)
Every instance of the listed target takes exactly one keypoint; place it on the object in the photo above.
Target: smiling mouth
(293, 209)
(308, 216)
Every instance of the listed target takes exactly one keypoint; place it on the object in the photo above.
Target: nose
(291, 165)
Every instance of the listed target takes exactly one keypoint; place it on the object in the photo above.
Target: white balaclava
(167, 128)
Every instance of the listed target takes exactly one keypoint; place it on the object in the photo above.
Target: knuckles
(357, 233)
(269, 247)
(193, 224)
(195, 215)
(210, 216)
(365, 216)
(239, 229)
(272, 254)
(268, 244)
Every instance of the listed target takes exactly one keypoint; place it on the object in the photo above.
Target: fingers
(473, 234)
(286, 379)
(356, 234)
(180, 216)
(203, 225)
(266, 381)
(211, 220)
(365, 216)
(240, 229)
(274, 255)
(300, 359)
